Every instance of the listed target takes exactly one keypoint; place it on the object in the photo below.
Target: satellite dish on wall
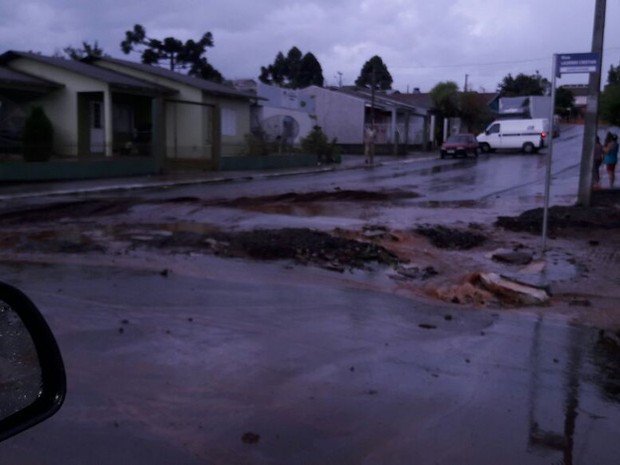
(280, 128)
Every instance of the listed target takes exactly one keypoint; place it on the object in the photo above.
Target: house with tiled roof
(139, 118)
(94, 111)
(15, 89)
(205, 120)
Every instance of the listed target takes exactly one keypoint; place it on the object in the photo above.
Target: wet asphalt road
(505, 180)
(223, 369)
(228, 363)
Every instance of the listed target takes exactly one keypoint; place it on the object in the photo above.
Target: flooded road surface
(227, 363)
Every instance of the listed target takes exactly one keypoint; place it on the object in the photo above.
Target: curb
(127, 184)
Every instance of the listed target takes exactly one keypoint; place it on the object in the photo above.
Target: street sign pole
(549, 155)
(569, 63)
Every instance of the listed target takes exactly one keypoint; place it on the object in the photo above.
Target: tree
(374, 70)
(38, 136)
(178, 54)
(564, 101)
(446, 98)
(295, 70)
(523, 85)
(310, 72)
(613, 76)
(610, 98)
(610, 105)
(87, 50)
(474, 111)
(275, 73)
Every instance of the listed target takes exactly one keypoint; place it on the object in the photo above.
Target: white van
(527, 135)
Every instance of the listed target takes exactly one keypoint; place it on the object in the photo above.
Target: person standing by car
(610, 156)
(598, 159)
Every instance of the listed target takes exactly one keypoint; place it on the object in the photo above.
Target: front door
(97, 130)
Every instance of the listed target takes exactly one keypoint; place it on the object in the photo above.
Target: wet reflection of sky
(584, 369)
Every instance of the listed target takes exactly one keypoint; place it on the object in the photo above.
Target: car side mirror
(32, 374)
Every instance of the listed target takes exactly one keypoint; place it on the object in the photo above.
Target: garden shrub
(38, 136)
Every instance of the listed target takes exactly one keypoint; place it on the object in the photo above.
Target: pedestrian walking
(598, 159)
(610, 156)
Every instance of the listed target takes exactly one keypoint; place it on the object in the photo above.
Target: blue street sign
(577, 63)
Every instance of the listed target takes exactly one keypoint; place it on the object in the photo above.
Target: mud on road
(422, 260)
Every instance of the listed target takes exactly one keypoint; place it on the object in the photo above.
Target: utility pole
(594, 86)
(466, 78)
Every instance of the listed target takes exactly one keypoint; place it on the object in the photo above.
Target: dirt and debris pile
(449, 238)
(511, 291)
(408, 272)
(337, 195)
(303, 245)
(563, 217)
(57, 211)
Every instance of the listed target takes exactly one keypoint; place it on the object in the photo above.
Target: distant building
(580, 92)
(533, 106)
(342, 113)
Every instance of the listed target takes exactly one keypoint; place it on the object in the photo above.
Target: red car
(459, 145)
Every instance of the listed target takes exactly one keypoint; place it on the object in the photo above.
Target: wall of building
(341, 116)
(189, 118)
(186, 132)
(235, 124)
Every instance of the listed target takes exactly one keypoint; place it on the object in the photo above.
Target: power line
(463, 65)
(495, 63)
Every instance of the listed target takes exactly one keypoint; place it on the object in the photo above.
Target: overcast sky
(422, 42)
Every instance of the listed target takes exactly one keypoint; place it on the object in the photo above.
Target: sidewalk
(42, 189)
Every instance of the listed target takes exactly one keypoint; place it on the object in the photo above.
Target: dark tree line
(87, 50)
(178, 55)
(523, 85)
(610, 98)
(375, 73)
(295, 70)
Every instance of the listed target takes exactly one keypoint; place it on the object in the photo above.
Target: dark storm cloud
(422, 43)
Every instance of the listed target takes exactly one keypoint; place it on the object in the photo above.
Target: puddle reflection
(588, 380)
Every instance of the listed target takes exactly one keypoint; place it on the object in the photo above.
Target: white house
(344, 112)
(88, 106)
(204, 120)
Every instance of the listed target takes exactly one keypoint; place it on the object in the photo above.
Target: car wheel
(528, 147)
(486, 148)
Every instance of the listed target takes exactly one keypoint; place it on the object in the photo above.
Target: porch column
(407, 130)
(395, 134)
(158, 133)
(108, 130)
(216, 136)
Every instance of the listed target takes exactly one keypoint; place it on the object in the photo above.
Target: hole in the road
(451, 204)
(449, 238)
